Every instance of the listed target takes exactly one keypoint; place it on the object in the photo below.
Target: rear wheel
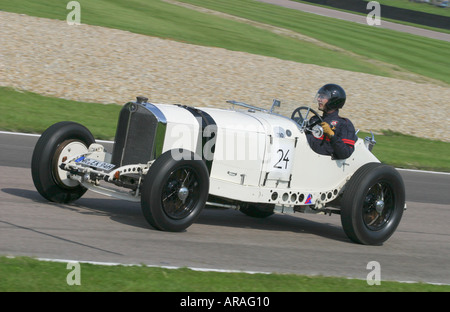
(61, 141)
(373, 204)
(174, 192)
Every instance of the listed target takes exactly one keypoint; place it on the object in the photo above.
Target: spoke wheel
(181, 193)
(373, 203)
(174, 192)
(379, 206)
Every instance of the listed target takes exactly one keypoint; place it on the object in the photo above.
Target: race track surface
(99, 228)
(361, 19)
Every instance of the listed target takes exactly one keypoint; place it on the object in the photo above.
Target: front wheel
(373, 204)
(174, 192)
(59, 142)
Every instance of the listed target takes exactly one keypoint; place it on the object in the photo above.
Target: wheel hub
(67, 150)
(379, 206)
(183, 193)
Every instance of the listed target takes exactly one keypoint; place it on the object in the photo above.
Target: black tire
(257, 210)
(373, 203)
(44, 162)
(165, 184)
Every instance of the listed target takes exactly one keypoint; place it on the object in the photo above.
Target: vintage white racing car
(175, 159)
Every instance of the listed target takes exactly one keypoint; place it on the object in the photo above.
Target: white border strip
(423, 171)
(151, 266)
(19, 133)
(112, 142)
(38, 135)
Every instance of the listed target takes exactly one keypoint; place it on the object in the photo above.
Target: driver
(339, 134)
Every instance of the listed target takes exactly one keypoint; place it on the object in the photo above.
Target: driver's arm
(343, 142)
(343, 148)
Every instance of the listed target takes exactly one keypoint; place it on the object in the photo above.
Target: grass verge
(407, 52)
(33, 113)
(31, 275)
(410, 152)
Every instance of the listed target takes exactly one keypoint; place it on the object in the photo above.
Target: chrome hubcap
(183, 193)
(379, 206)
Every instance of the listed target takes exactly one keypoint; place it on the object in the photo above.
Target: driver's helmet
(335, 95)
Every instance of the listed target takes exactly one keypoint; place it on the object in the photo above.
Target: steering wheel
(302, 121)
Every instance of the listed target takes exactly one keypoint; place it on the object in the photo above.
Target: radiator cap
(141, 99)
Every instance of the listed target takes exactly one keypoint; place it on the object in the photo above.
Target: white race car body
(174, 159)
(255, 156)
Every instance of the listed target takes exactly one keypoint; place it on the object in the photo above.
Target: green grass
(26, 274)
(400, 51)
(420, 55)
(406, 151)
(33, 113)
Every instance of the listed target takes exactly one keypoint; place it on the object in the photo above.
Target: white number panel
(282, 151)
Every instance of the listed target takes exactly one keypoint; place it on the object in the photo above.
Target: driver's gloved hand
(327, 129)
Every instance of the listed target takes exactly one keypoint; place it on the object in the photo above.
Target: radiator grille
(135, 136)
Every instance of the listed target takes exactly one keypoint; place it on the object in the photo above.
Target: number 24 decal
(283, 157)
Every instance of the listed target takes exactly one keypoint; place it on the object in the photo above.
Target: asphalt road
(361, 19)
(99, 228)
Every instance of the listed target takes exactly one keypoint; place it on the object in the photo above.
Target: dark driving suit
(342, 144)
